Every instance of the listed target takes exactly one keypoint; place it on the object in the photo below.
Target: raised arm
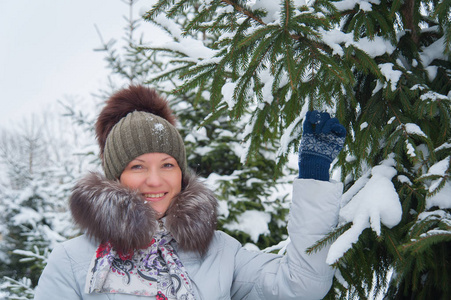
(313, 214)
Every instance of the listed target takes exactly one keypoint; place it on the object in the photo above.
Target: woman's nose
(153, 179)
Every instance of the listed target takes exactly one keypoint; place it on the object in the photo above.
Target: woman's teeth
(153, 195)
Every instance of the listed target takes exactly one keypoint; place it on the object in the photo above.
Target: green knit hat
(139, 133)
(135, 121)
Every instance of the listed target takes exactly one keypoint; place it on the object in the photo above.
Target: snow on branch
(31, 256)
(376, 203)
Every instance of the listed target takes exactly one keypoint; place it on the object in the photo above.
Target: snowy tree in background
(39, 164)
(383, 68)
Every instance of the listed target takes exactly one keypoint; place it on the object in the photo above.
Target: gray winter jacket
(226, 270)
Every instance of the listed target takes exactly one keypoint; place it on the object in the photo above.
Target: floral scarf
(153, 271)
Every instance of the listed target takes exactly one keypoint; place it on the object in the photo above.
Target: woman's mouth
(153, 197)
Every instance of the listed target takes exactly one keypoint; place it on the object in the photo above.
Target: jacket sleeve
(58, 281)
(296, 275)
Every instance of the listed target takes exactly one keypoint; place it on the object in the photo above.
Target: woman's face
(157, 176)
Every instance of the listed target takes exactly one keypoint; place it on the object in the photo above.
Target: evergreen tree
(38, 173)
(384, 68)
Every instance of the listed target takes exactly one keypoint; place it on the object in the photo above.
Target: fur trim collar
(108, 211)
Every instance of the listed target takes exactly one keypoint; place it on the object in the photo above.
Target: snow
(223, 208)
(252, 222)
(26, 215)
(379, 86)
(436, 214)
(433, 51)
(350, 4)
(433, 96)
(192, 48)
(410, 149)
(267, 79)
(443, 146)
(412, 128)
(227, 91)
(366, 207)
(390, 74)
(432, 72)
(440, 198)
(196, 135)
(270, 6)
(204, 150)
(291, 133)
(439, 168)
(404, 179)
(375, 47)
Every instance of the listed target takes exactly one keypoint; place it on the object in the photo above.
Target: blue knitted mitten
(321, 141)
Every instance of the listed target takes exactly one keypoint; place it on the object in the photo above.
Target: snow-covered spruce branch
(23, 287)
(31, 256)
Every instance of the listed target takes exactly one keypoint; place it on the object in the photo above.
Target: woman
(150, 224)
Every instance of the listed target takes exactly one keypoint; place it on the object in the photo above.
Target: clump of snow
(189, 46)
(436, 214)
(434, 51)
(374, 202)
(252, 222)
(223, 208)
(159, 127)
(433, 96)
(441, 199)
(410, 149)
(390, 74)
(379, 86)
(26, 215)
(412, 129)
(271, 7)
(439, 168)
(404, 179)
(267, 79)
(227, 91)
(292, 132)
(373, 47)
(196, 135)
(350, 4)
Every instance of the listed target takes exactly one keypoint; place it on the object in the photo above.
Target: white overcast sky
(47, 51)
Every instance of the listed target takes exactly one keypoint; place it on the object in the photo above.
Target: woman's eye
(168, 165)
(136, 167)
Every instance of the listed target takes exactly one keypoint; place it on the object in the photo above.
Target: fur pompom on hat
(133, 122)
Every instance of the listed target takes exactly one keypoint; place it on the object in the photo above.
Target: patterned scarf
(154, 271)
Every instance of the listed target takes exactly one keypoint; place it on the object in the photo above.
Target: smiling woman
(157, 177)
(150, 223)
